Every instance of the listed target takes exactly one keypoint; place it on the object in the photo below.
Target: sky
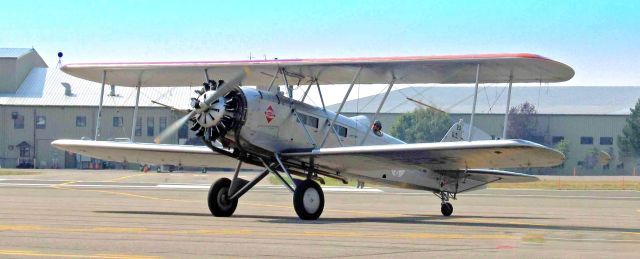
(599, 39)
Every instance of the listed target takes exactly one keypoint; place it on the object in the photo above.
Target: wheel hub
(311, 200)
(222, 198)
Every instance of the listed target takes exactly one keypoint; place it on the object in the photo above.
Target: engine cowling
(214, 121)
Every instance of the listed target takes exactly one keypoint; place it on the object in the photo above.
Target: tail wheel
(219, 203)
(308, 200)
(446, 209)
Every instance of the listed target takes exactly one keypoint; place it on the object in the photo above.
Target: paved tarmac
(89, 214)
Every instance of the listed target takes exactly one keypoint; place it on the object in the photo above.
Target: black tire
(446, 209)
(308, 192)
(219, 204)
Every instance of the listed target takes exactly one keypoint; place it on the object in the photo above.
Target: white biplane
(264, 127)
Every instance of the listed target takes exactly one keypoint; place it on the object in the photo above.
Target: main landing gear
(308, 198)
(219, 203)
(446, 208)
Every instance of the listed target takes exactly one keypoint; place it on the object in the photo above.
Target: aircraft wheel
(446, 209)
(308, 200)
(218, 200)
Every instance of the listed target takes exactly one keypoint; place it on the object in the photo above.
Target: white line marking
(549, 196)
(182, 186)
(25, 184)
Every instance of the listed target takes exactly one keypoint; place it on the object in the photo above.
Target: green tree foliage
(629, 141)
(421, 125)
(563, 147)
(522, 122)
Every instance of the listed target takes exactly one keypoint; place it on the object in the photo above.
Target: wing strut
(375, 116)
(506, 113)
(353, 82)
(135, 110)
(321, 98)
(104, 80)
(475, 99)
(307, 91)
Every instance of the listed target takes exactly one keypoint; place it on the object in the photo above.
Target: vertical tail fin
(455, 133)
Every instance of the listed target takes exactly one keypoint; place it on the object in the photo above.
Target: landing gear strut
(308, 198)
(224, 193)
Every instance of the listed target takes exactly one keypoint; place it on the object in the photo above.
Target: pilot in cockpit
(377, 128)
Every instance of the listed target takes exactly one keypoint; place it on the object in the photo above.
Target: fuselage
(277, 123)
(270, 123)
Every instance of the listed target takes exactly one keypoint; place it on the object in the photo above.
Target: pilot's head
(377, 125)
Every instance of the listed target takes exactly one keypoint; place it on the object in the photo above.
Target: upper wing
(452, 69)
(440, 156)
(147, 153)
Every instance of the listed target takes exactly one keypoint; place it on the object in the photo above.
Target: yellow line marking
(61, 186)
(44, 254)
(245, 232)
(126, 177)
(136, 195)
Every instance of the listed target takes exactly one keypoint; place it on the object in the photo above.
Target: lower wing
(147, 153)
(457, 162)
(435, 156)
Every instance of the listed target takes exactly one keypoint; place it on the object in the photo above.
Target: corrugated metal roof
(584, 100)
(13, 52)
(44, 87)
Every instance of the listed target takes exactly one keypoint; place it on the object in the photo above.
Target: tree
(629, 141)
(421, 125)
(563, 147)
(522, 122)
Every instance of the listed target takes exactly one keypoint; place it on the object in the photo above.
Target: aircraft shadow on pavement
(409, 219)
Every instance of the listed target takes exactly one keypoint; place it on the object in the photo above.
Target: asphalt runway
(76, 214)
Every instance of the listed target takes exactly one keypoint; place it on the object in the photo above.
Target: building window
(342, 131)
(150, 126)
(162, 121)
(606, 140)
(139, 127)
(18, 122)
(81, 121)
(586, 140)
(556, 139)
(41, 122)
(183, 132)
(117, 121)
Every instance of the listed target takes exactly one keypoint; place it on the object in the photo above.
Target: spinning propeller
(213, 100)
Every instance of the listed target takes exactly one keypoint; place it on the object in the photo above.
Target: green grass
(545, 184)
(17, 172)
(568, 184)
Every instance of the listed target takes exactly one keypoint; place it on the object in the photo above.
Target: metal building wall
(61, 123)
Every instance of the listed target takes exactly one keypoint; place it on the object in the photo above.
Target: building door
(70, 160)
